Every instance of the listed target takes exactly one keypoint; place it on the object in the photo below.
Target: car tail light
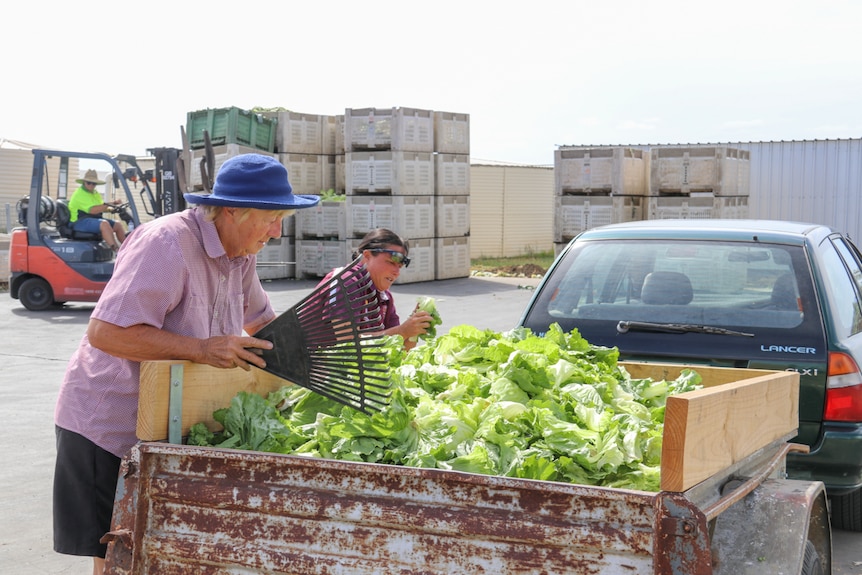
(843, 389)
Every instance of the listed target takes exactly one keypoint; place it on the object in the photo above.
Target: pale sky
(120, 77)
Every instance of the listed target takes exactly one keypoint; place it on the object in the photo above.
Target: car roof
(716, 229)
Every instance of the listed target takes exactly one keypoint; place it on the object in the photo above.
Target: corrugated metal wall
(818, 181)
(511, 210)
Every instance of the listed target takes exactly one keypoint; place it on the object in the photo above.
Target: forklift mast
(170, 180)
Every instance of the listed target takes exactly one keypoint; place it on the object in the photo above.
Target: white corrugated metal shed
(817, 181)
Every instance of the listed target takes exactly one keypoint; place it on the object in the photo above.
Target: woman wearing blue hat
(184, 287)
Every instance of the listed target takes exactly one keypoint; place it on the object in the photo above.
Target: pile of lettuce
(550, 407)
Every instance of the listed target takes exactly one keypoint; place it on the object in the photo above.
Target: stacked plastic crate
(306, 146)
(232, 131)
(405, 169)
(594, 186)
(698, 182)
(389, 180)
(452, 195)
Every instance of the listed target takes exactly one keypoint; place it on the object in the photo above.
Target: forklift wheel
(36, 294)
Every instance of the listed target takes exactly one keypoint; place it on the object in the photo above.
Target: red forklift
(52, 264)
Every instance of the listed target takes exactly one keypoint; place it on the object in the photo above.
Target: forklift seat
(64, 225)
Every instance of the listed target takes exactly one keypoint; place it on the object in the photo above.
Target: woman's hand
(416, 324)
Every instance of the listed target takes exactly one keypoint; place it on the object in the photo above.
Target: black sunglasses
(395, 257)
(90, 183)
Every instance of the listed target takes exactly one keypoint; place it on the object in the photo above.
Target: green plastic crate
(231, 126)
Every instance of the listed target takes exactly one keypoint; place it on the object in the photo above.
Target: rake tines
(319, 342)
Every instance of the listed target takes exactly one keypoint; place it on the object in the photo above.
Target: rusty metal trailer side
(184, 509)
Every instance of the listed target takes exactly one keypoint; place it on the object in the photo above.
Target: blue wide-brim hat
(253, 181)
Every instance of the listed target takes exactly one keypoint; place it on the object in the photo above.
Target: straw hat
(90, 176)
(253, 181)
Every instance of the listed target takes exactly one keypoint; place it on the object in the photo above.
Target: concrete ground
(37, 346)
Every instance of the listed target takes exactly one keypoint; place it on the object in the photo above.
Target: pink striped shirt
(173, 274)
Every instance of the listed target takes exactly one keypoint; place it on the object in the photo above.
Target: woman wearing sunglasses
(384, 253)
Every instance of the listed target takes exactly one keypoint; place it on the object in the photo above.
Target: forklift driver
(86, 208)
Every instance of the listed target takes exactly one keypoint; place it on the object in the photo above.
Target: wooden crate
(738, 412)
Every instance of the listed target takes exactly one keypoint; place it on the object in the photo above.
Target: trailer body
(182, 509)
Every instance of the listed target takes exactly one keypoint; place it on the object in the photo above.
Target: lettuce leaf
(428, 304)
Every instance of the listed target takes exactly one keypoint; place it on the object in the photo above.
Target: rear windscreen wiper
(626, 326)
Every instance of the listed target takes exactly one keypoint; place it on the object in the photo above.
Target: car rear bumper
(836, 460)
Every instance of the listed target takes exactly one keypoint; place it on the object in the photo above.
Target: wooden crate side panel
(713, 428)
(205, 389)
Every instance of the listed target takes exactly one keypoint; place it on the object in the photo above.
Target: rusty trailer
(183, 509)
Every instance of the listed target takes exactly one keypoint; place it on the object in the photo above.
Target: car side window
(850, 255)
(843, 287)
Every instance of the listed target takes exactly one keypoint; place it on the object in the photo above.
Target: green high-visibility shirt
(83, 200)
